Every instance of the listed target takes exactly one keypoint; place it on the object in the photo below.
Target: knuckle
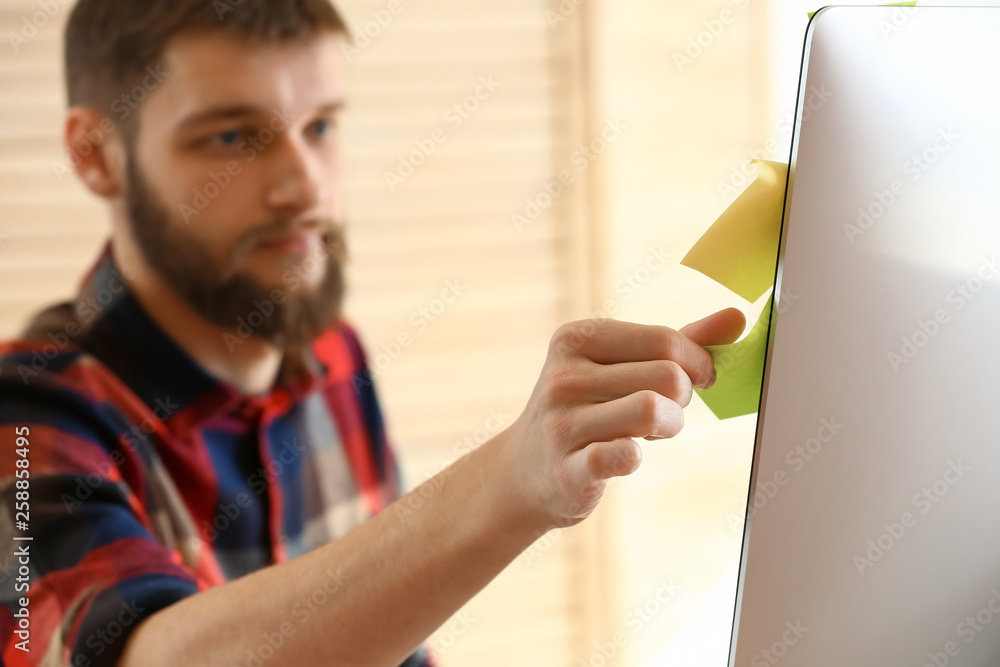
(657, 415)
(563, 383)
(677, 383)
(670, 370)
(563, 379)
(586, 327)
(560, 334)
(565, 340)
(572, 335)
(670, 343)
(647, 408)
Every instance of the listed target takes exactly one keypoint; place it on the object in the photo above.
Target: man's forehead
(211, 70)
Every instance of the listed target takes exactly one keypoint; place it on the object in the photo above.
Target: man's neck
(251, 367)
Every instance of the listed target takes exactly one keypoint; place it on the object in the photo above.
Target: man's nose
(297, 180)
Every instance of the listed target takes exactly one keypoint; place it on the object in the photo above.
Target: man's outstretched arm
(394, 580)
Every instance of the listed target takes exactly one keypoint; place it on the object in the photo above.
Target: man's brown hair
(113, 47)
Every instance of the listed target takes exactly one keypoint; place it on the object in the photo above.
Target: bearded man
(196, 435)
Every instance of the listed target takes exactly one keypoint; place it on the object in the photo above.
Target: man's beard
(222, 294)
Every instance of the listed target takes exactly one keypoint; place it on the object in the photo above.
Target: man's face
(233, 192)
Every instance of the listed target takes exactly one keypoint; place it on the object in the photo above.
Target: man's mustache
(331, 233)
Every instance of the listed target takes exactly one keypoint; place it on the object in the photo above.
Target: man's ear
(96, 151)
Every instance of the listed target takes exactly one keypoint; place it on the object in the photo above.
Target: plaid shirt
(151, 480)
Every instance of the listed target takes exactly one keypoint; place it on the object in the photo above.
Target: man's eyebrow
(231, 112)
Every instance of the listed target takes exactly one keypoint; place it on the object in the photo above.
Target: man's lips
(300, 242)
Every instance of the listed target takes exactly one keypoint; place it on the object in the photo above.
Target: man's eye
(321, 127)
(230, 138)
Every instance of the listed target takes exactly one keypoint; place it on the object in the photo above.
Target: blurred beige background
(673, 99)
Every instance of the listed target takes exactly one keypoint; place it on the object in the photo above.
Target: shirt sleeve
(92, 570)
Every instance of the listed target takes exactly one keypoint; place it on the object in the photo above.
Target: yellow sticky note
(740, 250)
(739, 369)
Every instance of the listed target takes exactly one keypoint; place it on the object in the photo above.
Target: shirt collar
(116, 329)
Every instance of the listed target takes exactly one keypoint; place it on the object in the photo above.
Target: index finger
(608, 341)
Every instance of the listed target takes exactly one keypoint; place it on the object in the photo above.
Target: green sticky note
(891, 4)
(740, 250)
(739, 369)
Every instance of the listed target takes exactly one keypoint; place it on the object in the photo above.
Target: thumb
(721, 328)
(599, 461)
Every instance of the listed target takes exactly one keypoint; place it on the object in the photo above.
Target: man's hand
(605, 382)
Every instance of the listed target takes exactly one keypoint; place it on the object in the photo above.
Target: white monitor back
(873, 532)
